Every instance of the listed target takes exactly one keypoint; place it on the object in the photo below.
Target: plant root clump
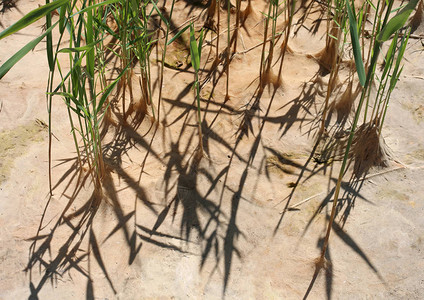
(210, 21)
(322, 263)
(269, 78)
(325, 57)
(247, 12)
(344, 105)
(369, 150)
(417, 20)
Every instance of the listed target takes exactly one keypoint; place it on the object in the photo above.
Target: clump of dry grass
(343, 106)
(248, 12)
(270, 78)
(369, 150)
(329, 54)
(418, 18)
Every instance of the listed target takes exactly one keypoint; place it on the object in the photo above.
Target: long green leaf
(160, 14)
(401, 52)
(90, 39)
(94, 6)
(200, 44)
(21, 53)
(178, 34)
(49, 41)
(355, 45)
(67, 96)
(388, 61)
(32, 16)
(79, 49)
(397, 22)
(194, 51)
(62, 11)
(109, 89)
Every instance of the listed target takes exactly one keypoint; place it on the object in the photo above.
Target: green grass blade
(194, 51)
(79, 49)
(32, 16)
(200, 44)
(90, 40)
(361, 18)
(160, 14)
(49, 41)
(389, 57)
(396, 72)
(178, 34)
(67, 96)
(21, 53)
(397, 22)
(355, 44)
(62, 11)
(109, 89)
(106, 28)
(94, 6)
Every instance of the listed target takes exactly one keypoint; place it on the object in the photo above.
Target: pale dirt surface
(165, 230)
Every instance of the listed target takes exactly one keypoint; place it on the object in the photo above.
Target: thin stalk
(273, 32)
(49, 88)
(376, 28)
(341, 173)
(163, 58)
(262, 67)
(199, 117)
(335, 66)
(238, 4)
(227, 95)
(124, 54)
(384, 78)
(369, 77)
(218, 29)
(291, 4)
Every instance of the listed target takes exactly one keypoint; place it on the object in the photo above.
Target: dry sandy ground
(168, 230)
